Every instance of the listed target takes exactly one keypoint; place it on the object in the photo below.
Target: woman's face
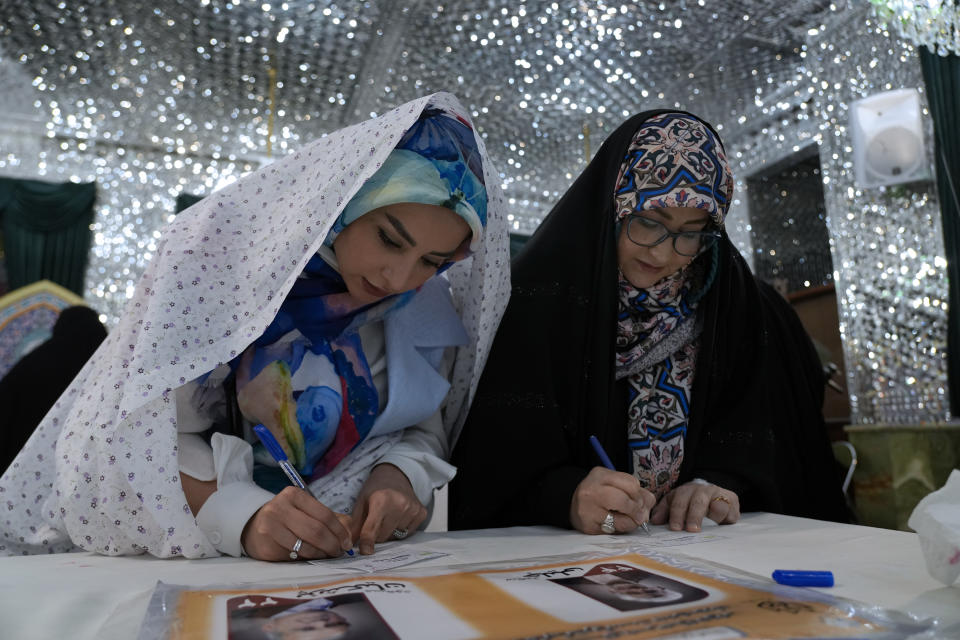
(638, 590)
(396, 248)
(308, 625)
(643, 267)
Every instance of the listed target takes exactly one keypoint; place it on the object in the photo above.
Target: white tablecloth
(81, 595)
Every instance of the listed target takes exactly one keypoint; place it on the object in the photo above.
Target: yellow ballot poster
(623, 596)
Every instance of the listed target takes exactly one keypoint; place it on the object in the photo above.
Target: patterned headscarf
(674, 160)
(436, 162)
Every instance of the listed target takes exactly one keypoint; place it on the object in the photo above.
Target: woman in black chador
(634, 318)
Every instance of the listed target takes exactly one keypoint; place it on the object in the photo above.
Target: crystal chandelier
(934, 23)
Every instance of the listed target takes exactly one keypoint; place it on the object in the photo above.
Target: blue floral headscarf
(436, 162)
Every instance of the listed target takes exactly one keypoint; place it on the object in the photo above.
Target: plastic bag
(632, 593)
(936, 519)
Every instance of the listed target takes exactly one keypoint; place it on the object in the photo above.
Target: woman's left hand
(386, 503)
(686, 506)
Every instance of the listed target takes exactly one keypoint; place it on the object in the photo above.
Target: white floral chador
(101, 471)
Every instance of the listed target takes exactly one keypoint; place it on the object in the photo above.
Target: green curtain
(517, 241)
(185, 200)
(46, 231)
(941, 75)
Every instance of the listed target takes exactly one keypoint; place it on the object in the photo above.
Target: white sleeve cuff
(226, 512)
(420, 456)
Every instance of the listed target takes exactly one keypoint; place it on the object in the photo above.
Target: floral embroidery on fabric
(646, 316)
(674, 161)
(658, 397)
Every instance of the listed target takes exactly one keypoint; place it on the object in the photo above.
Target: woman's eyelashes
(393, 244)
(387, 240)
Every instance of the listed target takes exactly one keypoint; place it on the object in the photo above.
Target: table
(82, 595)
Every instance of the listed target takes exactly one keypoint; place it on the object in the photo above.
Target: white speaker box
(888, 143)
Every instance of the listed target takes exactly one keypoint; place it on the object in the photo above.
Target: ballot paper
(661, 536)
(385, 558)
(676, 538)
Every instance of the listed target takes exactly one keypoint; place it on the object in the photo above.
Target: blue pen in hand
(605, 460)
(276, 451)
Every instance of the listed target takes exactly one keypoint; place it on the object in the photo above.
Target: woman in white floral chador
(280, 300)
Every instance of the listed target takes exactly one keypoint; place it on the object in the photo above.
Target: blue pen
(605, 460)
(796, 578)
(276, 451)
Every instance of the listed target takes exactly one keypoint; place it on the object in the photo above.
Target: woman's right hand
(604, 491)
(273, 530)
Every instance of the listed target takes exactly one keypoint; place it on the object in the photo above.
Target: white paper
(676, 538)
(661, 536)
(383, 559)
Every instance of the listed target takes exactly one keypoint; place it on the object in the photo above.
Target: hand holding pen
(294, 525)
(386, 508)
(607, 501)
(679, 506)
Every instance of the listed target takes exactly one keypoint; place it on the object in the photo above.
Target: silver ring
(400, 534)
(607, 526)
(295, 552)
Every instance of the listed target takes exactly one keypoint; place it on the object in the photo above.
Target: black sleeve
(761, 431)
(514, 464)
(521, 452)
(21, 409)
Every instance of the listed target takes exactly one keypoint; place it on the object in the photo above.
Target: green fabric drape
(516, 243)
(185, 200)
(941, 75)
(46, 231)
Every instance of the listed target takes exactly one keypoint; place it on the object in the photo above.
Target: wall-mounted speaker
(888, 143)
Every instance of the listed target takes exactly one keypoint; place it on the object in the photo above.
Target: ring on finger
(295, 552)
(721, 499)
(607, 526)
(399, 533)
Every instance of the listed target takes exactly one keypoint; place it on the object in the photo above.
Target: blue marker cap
(804, 578)
(273, 447)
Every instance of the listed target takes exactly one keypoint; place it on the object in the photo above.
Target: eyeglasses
(649, 233)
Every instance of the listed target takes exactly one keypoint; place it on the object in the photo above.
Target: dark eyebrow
(666, 214)
(401, 229)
